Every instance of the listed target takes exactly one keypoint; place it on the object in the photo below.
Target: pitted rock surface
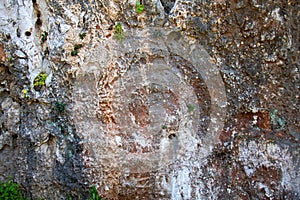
(193, 99)
(154, 108)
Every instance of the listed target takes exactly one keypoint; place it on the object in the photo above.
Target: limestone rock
(181, 100)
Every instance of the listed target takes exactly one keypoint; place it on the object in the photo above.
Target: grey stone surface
(187, 100)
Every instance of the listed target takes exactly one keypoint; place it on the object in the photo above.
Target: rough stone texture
(194, 99)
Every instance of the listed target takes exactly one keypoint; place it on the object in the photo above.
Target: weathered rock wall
(180, 100)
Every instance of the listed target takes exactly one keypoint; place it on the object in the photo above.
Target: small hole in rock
(28, 33)
(168, 5)
(14, 136)
(171, 136)
(38, 22)
(18, 32)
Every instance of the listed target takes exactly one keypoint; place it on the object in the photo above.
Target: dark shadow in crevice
(168, 5)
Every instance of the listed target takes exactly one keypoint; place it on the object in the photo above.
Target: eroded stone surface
(198, 101)
(153, 109)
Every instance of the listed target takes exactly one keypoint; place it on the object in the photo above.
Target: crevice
(168, 5)
(38, 15)
(171, 136)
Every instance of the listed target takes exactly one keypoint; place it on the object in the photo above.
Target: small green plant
(40, 80)
(118, 32)
(94, 194)
(60, 107)
(164, 126)
(76, 49)
(77, 46)
(70, 197)
(10, 59)
(139, 7)
(10, 191)
(74, 52)
(190, 107)
(82, 35)
(24, 93)
(44, 36)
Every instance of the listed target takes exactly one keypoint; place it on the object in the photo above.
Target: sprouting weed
(139, 7)
(118, 32)
(82, 35)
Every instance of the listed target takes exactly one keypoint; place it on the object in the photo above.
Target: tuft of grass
(94, 194)
(11, 191)
(10, 60)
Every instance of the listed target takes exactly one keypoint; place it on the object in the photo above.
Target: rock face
(172, 100)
